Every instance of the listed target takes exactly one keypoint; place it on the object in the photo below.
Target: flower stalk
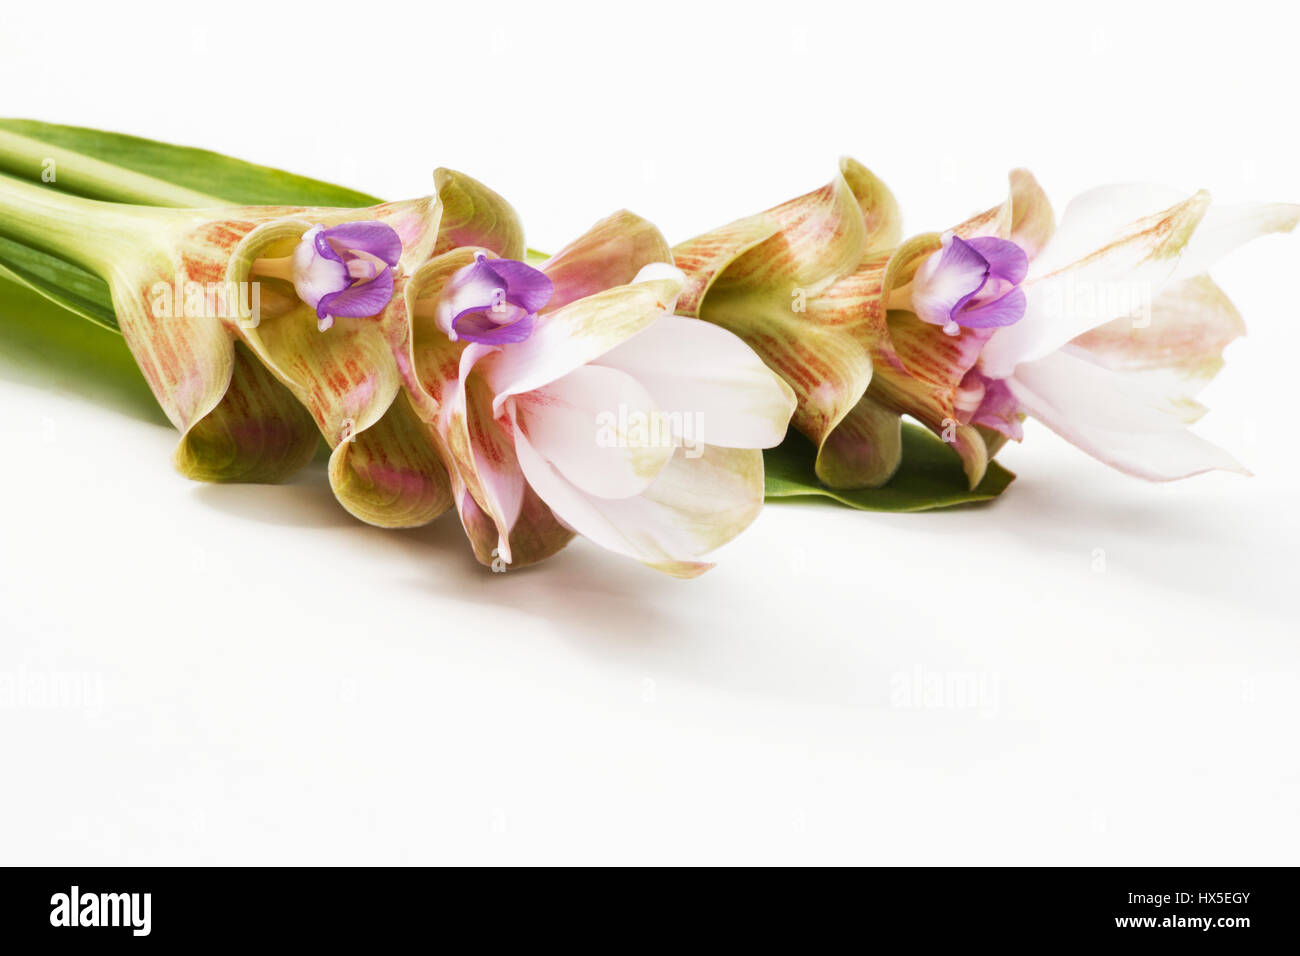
(86, 232)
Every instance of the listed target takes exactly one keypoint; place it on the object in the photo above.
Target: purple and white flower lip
(346, 270)
(493, 301)
(971, 284)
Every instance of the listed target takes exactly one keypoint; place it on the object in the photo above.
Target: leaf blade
(63, 283)
(214, 174)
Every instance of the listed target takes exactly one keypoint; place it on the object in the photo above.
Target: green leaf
(61, 282)
(202, 171)
(930, 476)
(36, 334)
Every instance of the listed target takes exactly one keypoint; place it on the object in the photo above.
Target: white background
(267, 680)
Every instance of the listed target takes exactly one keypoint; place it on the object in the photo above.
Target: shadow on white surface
(305, 501)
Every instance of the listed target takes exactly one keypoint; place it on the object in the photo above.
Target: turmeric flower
(345, 270)
(442, 369)
(971, 330)
(591, 408)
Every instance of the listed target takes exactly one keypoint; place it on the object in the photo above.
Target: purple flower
(493, 301)
(972, 284)
(346, 270)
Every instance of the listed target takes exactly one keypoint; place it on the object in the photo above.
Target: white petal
(714, 387)
(1178, 348)
(1114, 418)
(482, 445)
(1093, 271)
(600, 428)
(662, 271)
(695, 506)
(1094, 219)
(577, 334)
(1225, 228)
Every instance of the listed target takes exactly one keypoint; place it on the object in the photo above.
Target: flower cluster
(1103, 328)
(623, 390)
(540, 400)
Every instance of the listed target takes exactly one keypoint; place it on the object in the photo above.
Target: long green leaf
(203, 171)
(64, 284)
(930, 476)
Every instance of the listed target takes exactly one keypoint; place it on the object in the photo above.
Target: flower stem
(86, 232)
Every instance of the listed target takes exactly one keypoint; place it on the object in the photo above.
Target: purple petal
(471, 288)
(478, 327)
(526, 287)
(1007, 310)
(359, 300)
(493, 301)
(475, 287)
(324, 249)
(370, 236)
(999, 409)
(947, 281)
(963, 256)
(1007, 261)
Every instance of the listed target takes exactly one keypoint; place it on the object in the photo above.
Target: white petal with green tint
(709, 380)
(1227, 228)
(694, 507)
(1112, 278)
(577, 334)
(482, 446)
(600, 428)
(1180, 349)
(1116, 419)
